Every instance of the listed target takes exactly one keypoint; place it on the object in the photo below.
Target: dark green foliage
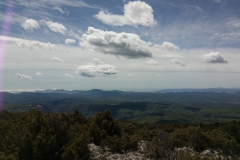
(35, 136)
(106, 132)
(104, 125)
(77, 148)
(105, 121)
(51, 136)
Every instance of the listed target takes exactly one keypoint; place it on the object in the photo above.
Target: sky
(119, 44)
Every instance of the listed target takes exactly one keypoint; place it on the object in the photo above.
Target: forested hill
(135, 106)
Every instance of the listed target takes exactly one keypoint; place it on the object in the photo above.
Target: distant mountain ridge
(211, 94)
(166, 106)
(98, 91)
(212, 90)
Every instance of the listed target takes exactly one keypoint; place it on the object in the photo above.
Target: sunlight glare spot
(3, 41)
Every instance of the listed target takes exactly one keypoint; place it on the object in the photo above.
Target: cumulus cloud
(91, 69)
(214, 57)
(86, 73)
(152, 62)
(39, 74)
(23, 76)
(30, 25)
(70, 41)
(177, 61)
(119, 44)
(36, 45)
(170, 46)
(60, 10)
(167, 46)
(56, 59)
(55, 27)
(69, 75)
(135, 13)
(130, 75)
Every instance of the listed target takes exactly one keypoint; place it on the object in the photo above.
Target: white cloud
(135, 13)
(91, 69)
(214, 57)
(119, 44)
(10, 39)
(39, 74)
(97, 61)
(23, 76)
(30, 25)
(36, 45)
(177, 61)
(86, 73)
(55, 27)
(130, 75)
(72, 34)
(170, 46)
(167, 46)
(114, 20)
(56, 59)
(152, 62)
(233, 22)
(46, 3)
(69, 75)
(157, 75)
(60, 10)
(70, 41)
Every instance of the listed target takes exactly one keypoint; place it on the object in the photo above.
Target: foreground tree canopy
(36, 136)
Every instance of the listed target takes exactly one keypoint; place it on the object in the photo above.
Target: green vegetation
(147, 112)
(35, 135)
(136, 107)
(38, 126)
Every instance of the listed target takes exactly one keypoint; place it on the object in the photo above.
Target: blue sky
(119, 44)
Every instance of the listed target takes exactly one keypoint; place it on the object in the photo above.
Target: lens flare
(4, 32)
